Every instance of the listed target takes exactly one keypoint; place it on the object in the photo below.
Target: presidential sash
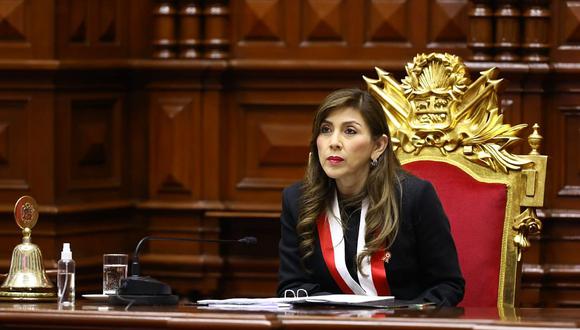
(372, 278)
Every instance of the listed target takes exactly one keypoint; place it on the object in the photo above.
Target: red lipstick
(335, 159)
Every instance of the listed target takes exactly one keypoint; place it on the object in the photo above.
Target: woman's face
(345, 147)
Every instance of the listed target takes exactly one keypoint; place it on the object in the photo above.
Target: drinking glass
(114, 269)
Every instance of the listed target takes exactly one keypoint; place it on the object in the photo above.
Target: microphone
(145, 290)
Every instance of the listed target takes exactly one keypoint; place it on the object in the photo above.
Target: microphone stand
(145, 290)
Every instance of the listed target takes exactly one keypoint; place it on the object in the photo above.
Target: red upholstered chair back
(476, 212)
(448, 129)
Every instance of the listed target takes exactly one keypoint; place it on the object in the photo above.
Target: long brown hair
(380, 190)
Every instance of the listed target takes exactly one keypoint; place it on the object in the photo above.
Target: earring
(374, 163)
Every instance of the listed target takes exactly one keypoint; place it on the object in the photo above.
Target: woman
(403, 247)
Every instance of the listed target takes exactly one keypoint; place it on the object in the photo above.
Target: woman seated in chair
(358, 223)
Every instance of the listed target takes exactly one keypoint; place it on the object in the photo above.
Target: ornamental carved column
(481, 30)
(189, 40)
(216, 40)
(507, 30)
(536, 16)
(164, 23)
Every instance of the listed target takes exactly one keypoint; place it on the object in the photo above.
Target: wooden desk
(94, 316)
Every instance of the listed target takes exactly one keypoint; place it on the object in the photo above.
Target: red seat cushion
(476, 212)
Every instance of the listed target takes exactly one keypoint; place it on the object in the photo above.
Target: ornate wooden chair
(449, 131)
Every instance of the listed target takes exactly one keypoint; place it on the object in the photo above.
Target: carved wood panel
(551, 271)
(261, 21)
(14, 143)
(269, 137)
(566, 30)
(387, 22)
(25, 145)
(563, 119)
(343, 29)
(569, 183)
(448, 22)
(26, 29)
(323, 22)
(175, 144)
(90, 142)
(92, 28)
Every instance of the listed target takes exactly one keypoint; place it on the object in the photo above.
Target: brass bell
(26, 279)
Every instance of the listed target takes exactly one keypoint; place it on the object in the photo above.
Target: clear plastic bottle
(66, 277)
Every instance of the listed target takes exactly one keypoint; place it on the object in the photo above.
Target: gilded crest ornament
(437, 106)
(26, 212)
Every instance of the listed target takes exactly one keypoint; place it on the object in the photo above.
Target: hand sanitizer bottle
(66, 277)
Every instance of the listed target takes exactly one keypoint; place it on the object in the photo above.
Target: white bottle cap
(66, 253)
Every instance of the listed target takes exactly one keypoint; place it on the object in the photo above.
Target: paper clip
(299, 293)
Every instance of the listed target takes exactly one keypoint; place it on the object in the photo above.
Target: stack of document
(336, 300)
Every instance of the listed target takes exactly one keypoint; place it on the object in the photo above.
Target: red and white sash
(331, 238)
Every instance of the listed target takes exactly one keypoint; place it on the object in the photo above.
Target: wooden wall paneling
(95, 29)
(448, 24)
(25, 146)
(27, 29)
(175, 145)
(263, 28)
(323, 22)
(511, 106)
(250, 270)
(190, 29)
(185, 139)
(507, 30)
(391, 28)
(386, 22)
(91, 147)
(189, 267)
(562, 147)
(481, 36)
(522, 101)
(140, 28)
(534, 103)
(347, 29)
(565, 31)
(535, 43)
(355, 29)
(217, 29)
(532, 274)
(164, 29)
(268, 142)
(570, 124)
(138, 137)
(560, 264)
(213, 134)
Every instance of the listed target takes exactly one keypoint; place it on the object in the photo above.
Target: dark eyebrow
(352, 122)
(346, 123)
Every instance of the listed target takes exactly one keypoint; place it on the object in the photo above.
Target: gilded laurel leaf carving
(437, 106)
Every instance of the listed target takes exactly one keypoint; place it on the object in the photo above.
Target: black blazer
(423, 265)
